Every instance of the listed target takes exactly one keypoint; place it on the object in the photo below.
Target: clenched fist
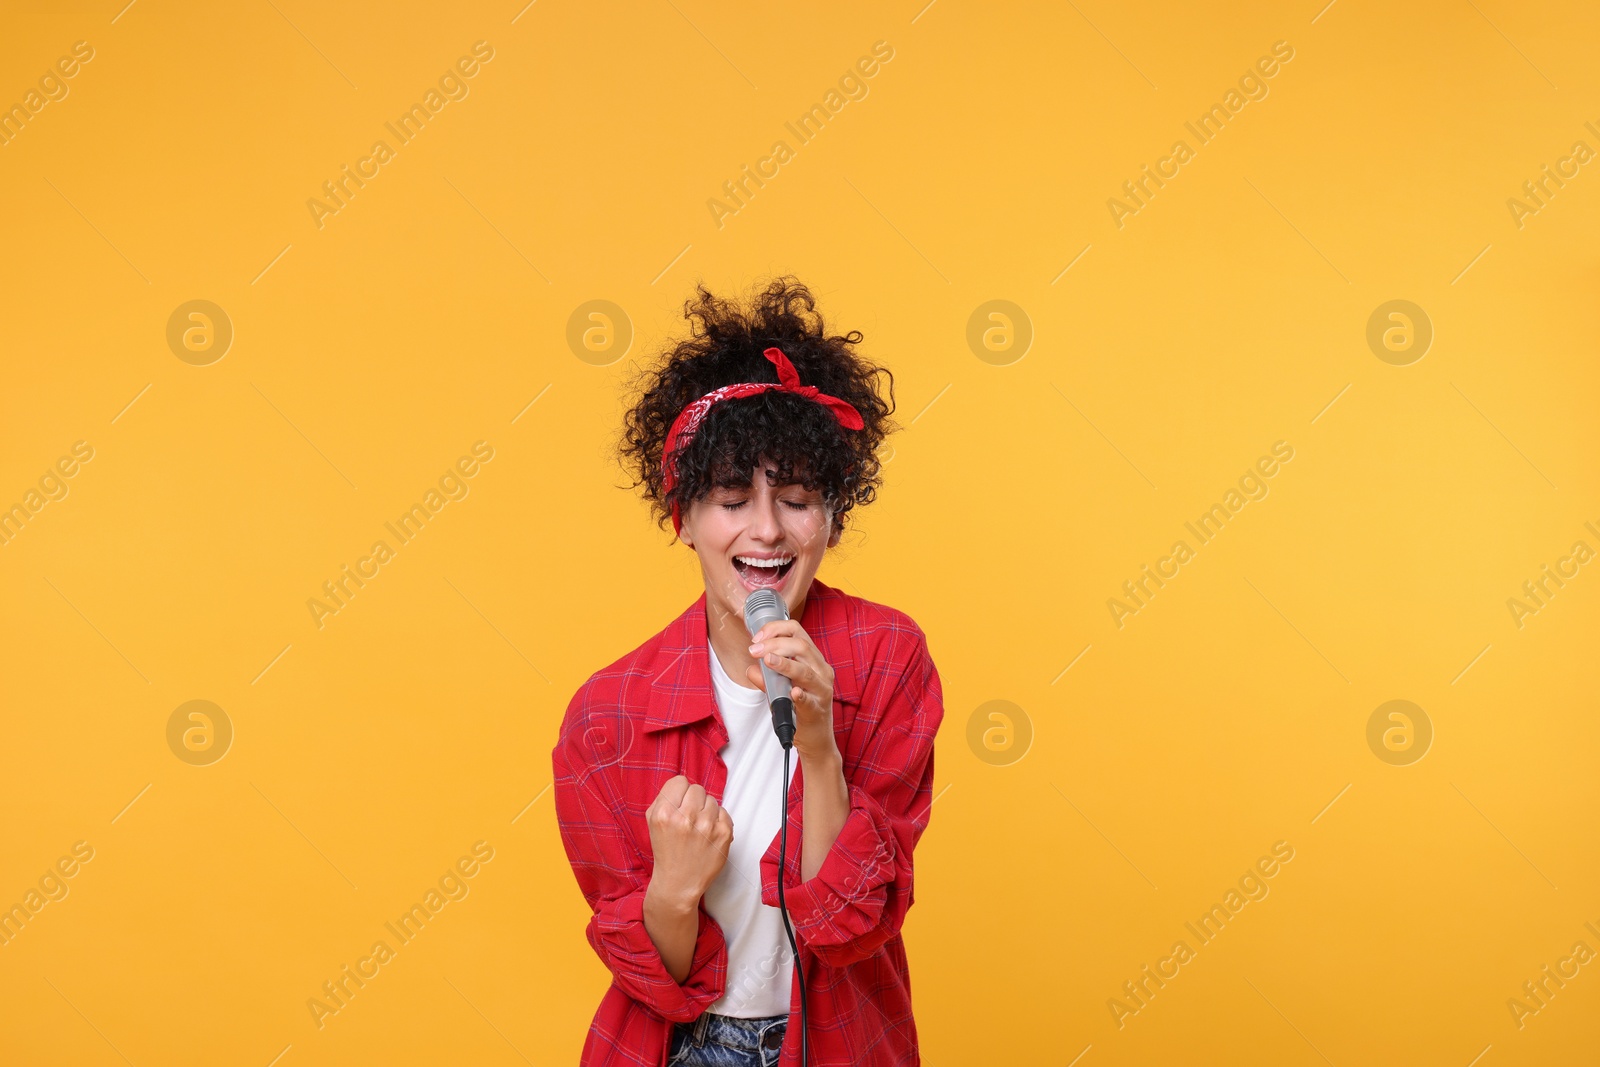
(689, 838)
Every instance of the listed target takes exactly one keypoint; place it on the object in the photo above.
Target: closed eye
(735, 506)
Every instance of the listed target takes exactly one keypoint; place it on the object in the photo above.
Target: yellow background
(428, 313)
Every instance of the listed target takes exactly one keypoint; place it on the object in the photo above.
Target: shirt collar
(680, 668)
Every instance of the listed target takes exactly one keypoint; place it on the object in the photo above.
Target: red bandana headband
(688, 421)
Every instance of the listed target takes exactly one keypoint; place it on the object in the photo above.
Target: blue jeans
(723, 1041)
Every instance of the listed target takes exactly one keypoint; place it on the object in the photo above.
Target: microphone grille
(761, 607)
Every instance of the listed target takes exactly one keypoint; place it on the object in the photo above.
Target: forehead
(729, 479)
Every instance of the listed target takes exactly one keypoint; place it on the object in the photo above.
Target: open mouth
(762, 573)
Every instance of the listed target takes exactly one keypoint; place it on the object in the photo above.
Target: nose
(765, 524)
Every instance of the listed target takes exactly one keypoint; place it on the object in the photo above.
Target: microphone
(761, 607)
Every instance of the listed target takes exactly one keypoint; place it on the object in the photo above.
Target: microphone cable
(761, 607)
(783, 851)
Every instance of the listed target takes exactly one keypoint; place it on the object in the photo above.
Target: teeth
(753, 562)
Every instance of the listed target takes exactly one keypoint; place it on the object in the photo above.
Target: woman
(757, 435)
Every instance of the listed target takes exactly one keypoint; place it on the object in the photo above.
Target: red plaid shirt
(653, 714)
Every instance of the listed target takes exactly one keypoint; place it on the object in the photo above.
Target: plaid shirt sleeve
(858, 898)
(613, 872)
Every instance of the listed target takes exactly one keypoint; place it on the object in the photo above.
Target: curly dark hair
(798, 436)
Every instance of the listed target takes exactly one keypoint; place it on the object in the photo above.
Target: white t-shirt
(760, 964)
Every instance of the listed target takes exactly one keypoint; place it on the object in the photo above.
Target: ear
(686, 525)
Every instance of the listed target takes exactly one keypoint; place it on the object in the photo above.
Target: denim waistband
(753, 1035)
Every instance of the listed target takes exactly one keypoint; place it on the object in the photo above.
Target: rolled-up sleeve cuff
(619, 936)
(845, 898)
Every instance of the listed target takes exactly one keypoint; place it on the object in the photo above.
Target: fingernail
(755, 649)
